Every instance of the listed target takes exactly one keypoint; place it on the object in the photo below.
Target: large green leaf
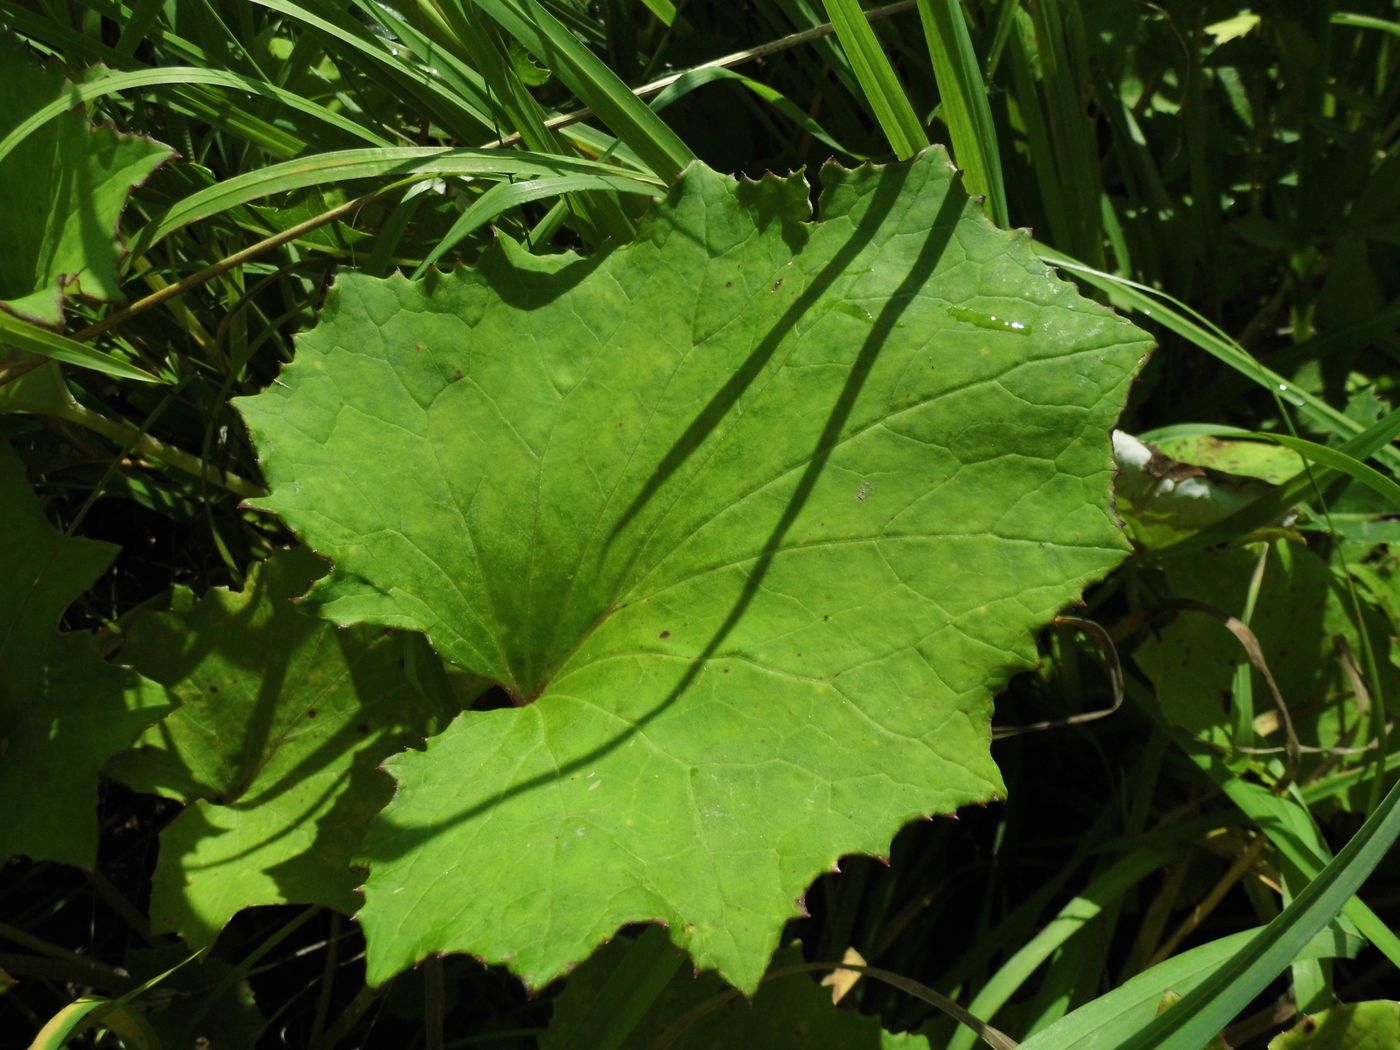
(62, 191)
(751, 517)
(282, 721)
(63, 710)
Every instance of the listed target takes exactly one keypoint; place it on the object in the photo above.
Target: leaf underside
(751, 516)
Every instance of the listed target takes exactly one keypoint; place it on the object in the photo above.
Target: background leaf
(1300, 613)
(281, 723)
(63, 710)
(62, 191)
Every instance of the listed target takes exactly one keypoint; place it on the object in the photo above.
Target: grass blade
(1348, 18)
(1290, 827)
(595, 85)
(94, 1011)
(506, 195)
(426, 86)
(1072, 918)
(1199, 332)
(408, 162)
(55, 347)
(480, 40)
(116, 83)
(877, 78)
(963, 103)
(692, 79)
(1114, 1017)
(1214, 1003)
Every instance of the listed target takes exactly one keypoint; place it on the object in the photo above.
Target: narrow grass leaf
(41, 341)
(116, 83)
(430, 89)
(1290, 827)
(697, 78)
(408, 162)
(1072, 918)
(1341, 463)
(663, 10)
(963, 103)
(1215, 1002)
(877, 78)
(1113, 1017)
(613, 993)
(504, 196)
(1201, 333)
(92, 1012)
(595, 85)
(1349, 18)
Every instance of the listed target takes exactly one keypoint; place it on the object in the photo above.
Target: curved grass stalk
(507, 195)
(593, 83)
(411, 163)
(116, 83)
(1196, 329)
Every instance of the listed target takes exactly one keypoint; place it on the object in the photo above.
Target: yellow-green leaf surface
(751, 517)
(63, 709)
(62, 191)
(282, 720)
(1247, 459)
(1350, 1026)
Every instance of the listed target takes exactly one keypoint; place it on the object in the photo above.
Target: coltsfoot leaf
(751, 517)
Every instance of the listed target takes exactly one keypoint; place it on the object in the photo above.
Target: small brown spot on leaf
(665, 634)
